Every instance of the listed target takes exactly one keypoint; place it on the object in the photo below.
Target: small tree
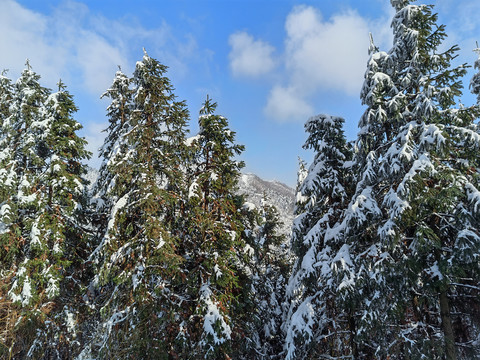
(268, 268)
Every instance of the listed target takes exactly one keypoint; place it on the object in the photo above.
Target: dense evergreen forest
(162, 258)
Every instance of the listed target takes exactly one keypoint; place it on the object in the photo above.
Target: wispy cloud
(320, 55)
(287, 104)
(24, 36)
(250, 57)
(73, 43)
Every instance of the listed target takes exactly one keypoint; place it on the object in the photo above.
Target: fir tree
(313, 326)
(21, 167)
(57, 236)
(118, 113)
(213, 243)
(413, 202)
(138, 266)
(8, 239)
(42, 202)
(397, 261)
(25, 100)
(269, 271)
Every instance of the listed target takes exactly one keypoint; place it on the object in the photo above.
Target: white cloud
(79, 46)
(326, 54)
(98, 61)
(286, 104)
(250, 57)
(23, 37)
(323, 56)
(58, 45)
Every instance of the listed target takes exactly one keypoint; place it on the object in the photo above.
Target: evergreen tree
(313, 326)
(57, 240)
(8, 239)
(137, 263)
(398, 263)
(21, 167)
(213, 244)
(114, 146)
(269, 271)
(8, 244)
(410, 225)
(18, 148)
(42, 195)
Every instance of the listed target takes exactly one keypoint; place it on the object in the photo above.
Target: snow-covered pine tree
(137, 262)
(20, 169)
(8, 246)
(57, 238)
(41, 173)
(212, 244)
(8, 239)
(22, 107)
(365, 257)
(103, 199)
(114, 146)
(269, 262)
(313, 325)
(411, 225)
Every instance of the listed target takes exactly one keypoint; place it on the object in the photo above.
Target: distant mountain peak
(278, 194)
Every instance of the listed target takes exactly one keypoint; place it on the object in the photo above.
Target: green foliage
(413, 162)
(137, 196)
(42, 197)
(212, 242)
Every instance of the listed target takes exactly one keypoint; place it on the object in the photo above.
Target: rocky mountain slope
(277, 194)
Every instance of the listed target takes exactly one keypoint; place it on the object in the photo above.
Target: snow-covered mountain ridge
(277, 194)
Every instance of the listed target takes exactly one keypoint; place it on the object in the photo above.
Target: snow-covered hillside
(279, 195)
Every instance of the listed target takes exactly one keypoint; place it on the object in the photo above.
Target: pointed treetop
(61, 85)
(302, 171)
(27, 64)
(477, 49)
(145, 59)
(208, 107)
(372, 48)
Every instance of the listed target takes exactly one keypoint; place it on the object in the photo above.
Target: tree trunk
(353, 331)
(447, 327)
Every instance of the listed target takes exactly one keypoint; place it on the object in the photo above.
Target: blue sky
(270, 64)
